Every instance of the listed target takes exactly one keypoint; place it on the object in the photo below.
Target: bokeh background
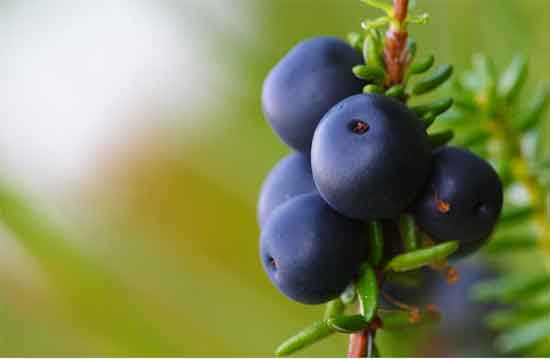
(132, 149)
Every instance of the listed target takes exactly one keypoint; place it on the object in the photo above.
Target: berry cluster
(360, 157)
(363, 158)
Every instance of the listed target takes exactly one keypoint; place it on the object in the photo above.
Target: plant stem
(396, 60)
(395, 54)
(359, 344)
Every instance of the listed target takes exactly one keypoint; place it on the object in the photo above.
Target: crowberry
(289, 178)
(462, 199)
(310, 252)
(305, 84)
(370, 156)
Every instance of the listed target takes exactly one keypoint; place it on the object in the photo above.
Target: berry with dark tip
(310, 252)
(288, 179)
(461, 201)
(305, 84)
(370, 157)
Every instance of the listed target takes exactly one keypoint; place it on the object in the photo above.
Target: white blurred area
(79, 76)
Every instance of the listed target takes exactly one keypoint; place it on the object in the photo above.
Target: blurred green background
(133, 147)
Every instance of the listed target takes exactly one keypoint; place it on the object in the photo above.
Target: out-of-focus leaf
(536, 109)
(485, 70)
(508, 318)
(524, 336)
(512, 79)
(510, 243)
(508, 289)
(514, 214)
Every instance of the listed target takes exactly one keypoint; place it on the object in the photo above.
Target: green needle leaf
(317, 331)
(369, 25)
(369, 73)
(348, 323)
(396, 91)
(422, 257)
(508, 289)
(421, 66)
(356, 40)
(334, 308)
(433, 81)
(436, 108)
(411, 240)
(372, 50)
(371, 88)
(524, 336)
(367, 290)
(536, 109)
(421, 19)
(379, 4)
(428, 119)
(441, 138)
(411, 48)
(512, 79)
(376, 237)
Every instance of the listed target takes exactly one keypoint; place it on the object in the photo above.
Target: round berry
(305, 84)
(288, 179)
(461, 201)
(370, 156)
(310, 252)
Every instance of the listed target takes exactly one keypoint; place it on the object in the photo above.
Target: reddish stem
(358, 344)
(395, 54)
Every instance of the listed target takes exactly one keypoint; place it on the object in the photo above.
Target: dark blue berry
(370, 157)
(289, 178)
(310, 252)
(461, 201)
(305, 84)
